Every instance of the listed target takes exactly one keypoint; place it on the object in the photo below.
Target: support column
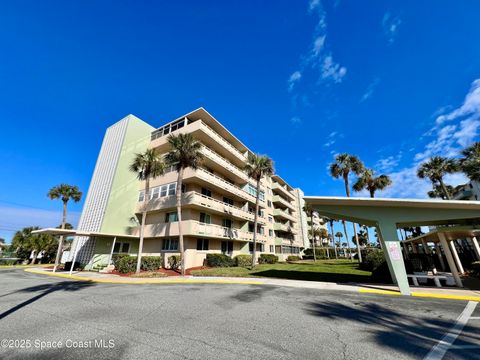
(393, 255)
(451, 262)
(111, 250)
(440, 257)
(476, 248)
(426, 249)
(455, 256)
(405, 249)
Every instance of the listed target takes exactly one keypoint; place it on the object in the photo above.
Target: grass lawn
(323, 270)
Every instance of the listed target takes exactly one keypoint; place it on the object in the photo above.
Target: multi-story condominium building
(468, 191)
(218, 198)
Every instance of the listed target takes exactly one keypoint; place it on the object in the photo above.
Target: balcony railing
(223, 141)
(282, 227)
(198, 229)
(224, 162)
(279, 199)
(277, 186)
(284, 214)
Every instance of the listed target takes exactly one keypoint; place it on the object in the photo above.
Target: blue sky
(393, 82)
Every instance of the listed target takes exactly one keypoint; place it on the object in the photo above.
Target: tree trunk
(60, 240)
(346, 236)
(372, 193)
(313, 238)
(358, 243)
(347, 186)
(333, 239)
(142, 226)
(255, 224)
(34, 258)
(444, 188)
(179, 218)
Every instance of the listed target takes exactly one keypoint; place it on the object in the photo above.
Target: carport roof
(451, 233)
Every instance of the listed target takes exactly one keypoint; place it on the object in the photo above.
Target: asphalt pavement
(53, 318)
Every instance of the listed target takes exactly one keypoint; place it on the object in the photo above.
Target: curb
(425, 295)
(142, 282)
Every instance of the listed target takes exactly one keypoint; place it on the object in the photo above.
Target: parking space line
(440, 349)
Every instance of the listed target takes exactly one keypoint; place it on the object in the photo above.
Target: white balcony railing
(214, 156)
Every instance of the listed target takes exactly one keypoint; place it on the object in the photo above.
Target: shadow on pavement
(45, 290)
(410, 335)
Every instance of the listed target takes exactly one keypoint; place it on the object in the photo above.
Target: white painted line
(465, 347)
(474, 317)
(439, 350)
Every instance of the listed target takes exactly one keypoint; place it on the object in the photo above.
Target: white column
(455, 256)
(111, 251)
(451, 262)
(476, 248)
(440, 257)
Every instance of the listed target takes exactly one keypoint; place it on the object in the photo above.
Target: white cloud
(296, 120)
(388, 164)
(332, 138)
(296, 76)
(448, 140)
(370, 89)
(390, 25)
(317, 58)
(332, 70)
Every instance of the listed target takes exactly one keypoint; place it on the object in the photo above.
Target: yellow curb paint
(426, 295)
(186, 281)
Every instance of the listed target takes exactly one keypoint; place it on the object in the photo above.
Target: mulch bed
(168, 272)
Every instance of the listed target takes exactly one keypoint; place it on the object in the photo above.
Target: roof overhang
(73, 232)
(451, 233)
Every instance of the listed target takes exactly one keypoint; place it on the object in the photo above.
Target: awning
(73, 232)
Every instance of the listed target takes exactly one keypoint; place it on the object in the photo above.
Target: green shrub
(267, 259)
(292, 258)
(174, 262)
(127, 264)
(476, 268)
(219, 260)
(243, 260)
(116, 258)
(151, 263)
(320, 253)
(373, 260)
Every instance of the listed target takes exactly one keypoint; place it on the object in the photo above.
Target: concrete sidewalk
(420, 291)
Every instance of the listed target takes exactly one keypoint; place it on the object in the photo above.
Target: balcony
(201, 132)
(198, 229)
(194, 199)
(279, 200)
(283, 227)
(276, 187)
(224, 163)
(283, 214)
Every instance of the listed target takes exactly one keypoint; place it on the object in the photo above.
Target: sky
(392, 82)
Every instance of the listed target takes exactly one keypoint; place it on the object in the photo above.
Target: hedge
(116, 258)
(267, 259)
(127, 264)
(373, 260)
(292, 258)
(219, 260)
(320, 253)
(174, 262)
(243, 260)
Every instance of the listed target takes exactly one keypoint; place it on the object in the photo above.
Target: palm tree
(64, 192)
(309, 211)
(339, 236)
(257, 167)
(435, 169)
(470, 162)
(437, 191)
(367, 180)
(185, 153)
(331, 222)
(342, 167)
(147, 166)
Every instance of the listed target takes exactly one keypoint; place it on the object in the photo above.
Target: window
(227, 200)
(227, 246)
(260, 229)
(202, 244)
(227, 223)
(206, 192)
(270, 219)
(120, 248)
(270, 232)
(250, 227)
(171, 217)
(170, 244)
(155, 193)
(163, 190)
(172, 189)
(260, 247)
(269, 203)
(205, 218)
(272, 248)
(141, 196)
(261, 213)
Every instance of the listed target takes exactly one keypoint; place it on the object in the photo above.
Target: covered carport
(388, 215)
